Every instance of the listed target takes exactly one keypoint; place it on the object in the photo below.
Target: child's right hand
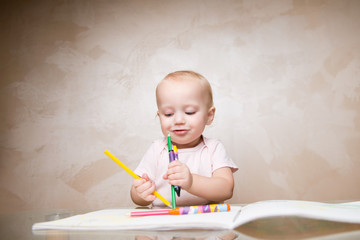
(144, 188)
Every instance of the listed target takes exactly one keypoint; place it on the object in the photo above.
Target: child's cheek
(166, 122)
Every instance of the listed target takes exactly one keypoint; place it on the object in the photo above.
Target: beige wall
(78, 77)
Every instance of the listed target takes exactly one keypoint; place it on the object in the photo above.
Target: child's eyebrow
(191, 105)
(166, 108)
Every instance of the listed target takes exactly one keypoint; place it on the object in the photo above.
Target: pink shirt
(203, 160)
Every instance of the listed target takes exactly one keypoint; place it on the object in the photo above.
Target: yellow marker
(128, 170)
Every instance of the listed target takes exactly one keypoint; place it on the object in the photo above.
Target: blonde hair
(190, 75)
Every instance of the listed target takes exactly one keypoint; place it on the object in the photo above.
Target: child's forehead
(181, 90)
(185, 81)
(185, 87)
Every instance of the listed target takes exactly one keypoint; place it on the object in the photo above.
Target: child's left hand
(179, 174)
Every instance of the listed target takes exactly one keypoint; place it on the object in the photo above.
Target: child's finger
(144, 186)
(150, 189)
(175, 163)
(147, 194)
(138, 182)
(145, 176)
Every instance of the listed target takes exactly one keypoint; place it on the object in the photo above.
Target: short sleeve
(220, 157)
(147, 164)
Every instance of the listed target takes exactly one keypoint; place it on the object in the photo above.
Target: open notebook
(118, 219)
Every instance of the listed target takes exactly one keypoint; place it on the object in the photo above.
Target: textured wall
(78, 77)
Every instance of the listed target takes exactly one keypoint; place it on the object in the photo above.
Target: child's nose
(179, 118)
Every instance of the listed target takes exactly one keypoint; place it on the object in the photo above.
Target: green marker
(169, 142)
(171, 158)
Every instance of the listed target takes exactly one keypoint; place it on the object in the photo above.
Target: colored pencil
(171, 158)
(128, 170)
(176, 156)
(211, 208)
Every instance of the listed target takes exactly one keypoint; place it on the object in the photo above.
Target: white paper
(117, 219)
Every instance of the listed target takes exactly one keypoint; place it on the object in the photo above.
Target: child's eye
(190, 113)
(168, 114)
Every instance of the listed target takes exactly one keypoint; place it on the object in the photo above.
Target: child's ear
(211, 115)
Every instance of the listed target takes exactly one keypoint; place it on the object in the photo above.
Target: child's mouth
(180, 131)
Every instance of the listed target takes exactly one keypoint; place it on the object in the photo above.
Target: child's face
(184, 111)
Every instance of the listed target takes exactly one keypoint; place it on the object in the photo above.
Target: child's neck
(191, 144)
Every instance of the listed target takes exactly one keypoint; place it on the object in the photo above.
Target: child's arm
(141, 191)
(217, 188)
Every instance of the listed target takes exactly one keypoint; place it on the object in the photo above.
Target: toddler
(204, 171)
